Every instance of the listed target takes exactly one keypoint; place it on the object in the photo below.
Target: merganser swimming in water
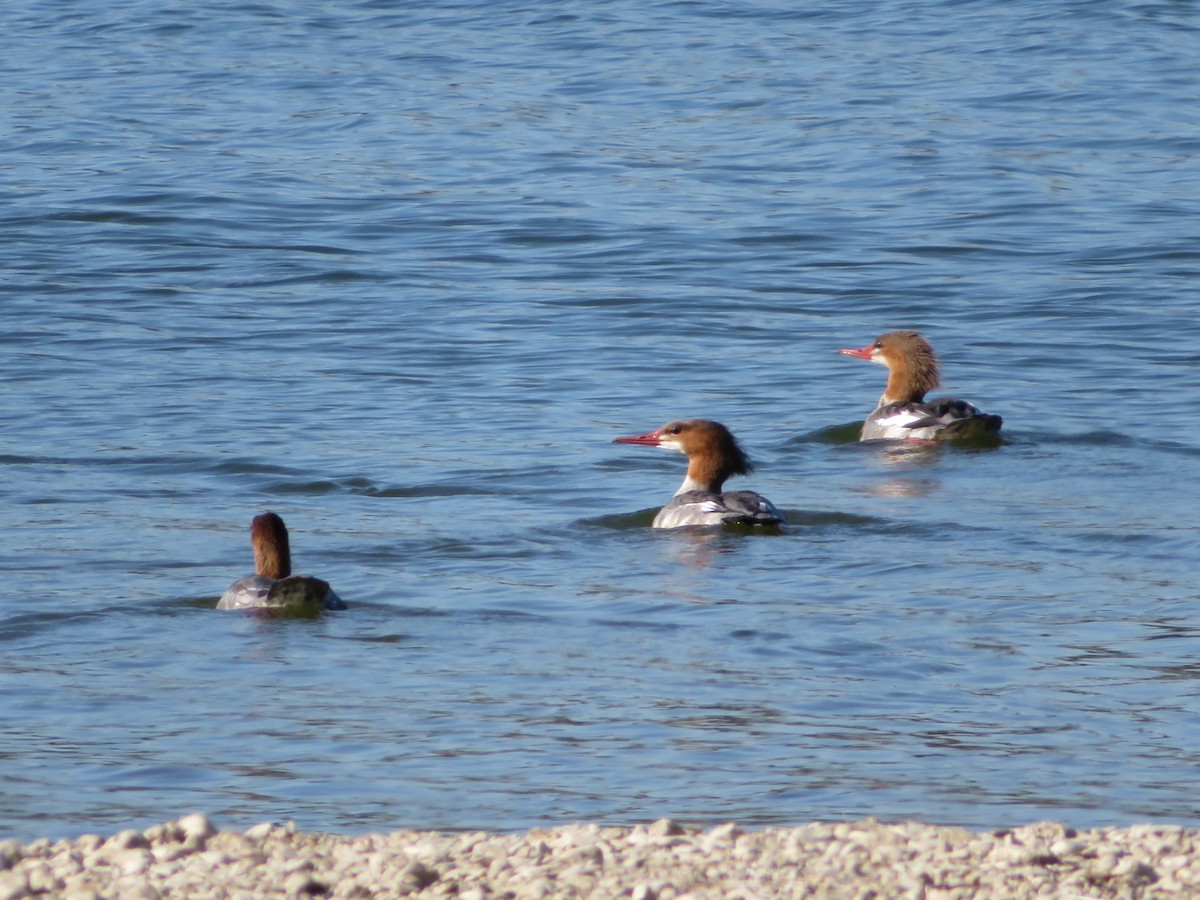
(273, 586)
(902, 412)
(713, 455)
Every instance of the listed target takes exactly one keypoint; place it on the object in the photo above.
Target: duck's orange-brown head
(911, 363)
(712, 451)
(272, 555)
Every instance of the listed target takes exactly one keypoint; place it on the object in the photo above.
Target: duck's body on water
(902, 412)
(273, 586)
(713, 456)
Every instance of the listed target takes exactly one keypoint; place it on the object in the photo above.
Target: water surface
(401, 272)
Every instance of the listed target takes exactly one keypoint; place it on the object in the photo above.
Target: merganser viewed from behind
(902, 413)
(273, 586)
(713, 455)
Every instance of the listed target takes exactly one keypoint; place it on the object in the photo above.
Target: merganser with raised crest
(273, 586)
(713, 455)
(903, 413)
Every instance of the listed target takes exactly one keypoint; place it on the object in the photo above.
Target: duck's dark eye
(878, 346)
(674, 429)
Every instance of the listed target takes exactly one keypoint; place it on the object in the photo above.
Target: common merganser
(902, 412)
(713, 455)
(273, 586)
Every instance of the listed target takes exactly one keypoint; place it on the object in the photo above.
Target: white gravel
(191, 858)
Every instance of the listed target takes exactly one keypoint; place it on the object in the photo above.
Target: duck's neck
(272, 561)
(705, 473)
(904, 385)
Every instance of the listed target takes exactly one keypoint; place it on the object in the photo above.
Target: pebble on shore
(868, 859)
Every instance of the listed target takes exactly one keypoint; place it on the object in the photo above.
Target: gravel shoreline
(868, 859)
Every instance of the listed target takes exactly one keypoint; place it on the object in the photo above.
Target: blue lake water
(400, 272)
